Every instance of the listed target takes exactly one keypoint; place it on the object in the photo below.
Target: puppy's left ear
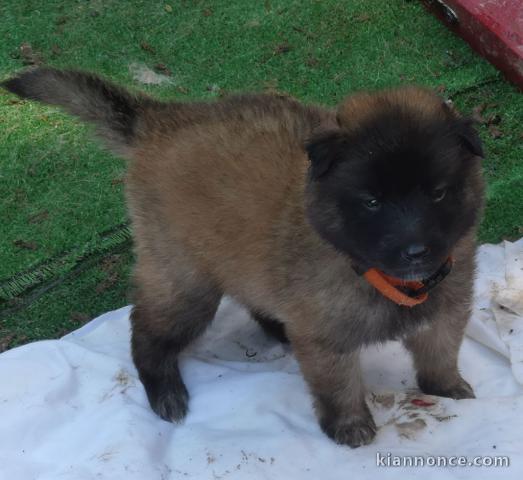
(469, 136)
(324, 151)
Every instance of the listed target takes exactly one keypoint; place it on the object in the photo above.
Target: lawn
(65, 248)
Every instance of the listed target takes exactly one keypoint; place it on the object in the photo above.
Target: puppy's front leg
(335, 382)
(435, 354)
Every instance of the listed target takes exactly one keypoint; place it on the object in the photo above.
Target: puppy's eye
(372, 203)
(438, 194)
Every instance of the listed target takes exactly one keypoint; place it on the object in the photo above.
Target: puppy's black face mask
(398, 193)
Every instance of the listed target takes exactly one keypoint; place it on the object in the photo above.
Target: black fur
(430, 386)
(272, 327)
(469, 136)
(324, 151)
(355, 432)
(403, 162)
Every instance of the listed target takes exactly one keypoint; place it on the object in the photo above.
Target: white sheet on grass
(74, 408)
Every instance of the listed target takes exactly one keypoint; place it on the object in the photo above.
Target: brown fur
(217, 195)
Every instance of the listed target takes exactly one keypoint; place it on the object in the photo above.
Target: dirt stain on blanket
(123, 382)
(383, 400)
(122, 378)
(410, 413)
(105, 456)
(410, 429)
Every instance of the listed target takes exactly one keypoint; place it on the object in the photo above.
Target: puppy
(336, 228)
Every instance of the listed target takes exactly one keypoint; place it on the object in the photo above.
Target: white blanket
(74, 408)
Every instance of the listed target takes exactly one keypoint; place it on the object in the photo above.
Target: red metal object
(494, 28)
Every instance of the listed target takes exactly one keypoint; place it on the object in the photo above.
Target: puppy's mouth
(414, 272)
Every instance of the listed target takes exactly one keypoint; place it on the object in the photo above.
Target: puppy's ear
(469, 136)
(324, 151)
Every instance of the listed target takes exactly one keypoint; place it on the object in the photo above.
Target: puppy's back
(217, 185)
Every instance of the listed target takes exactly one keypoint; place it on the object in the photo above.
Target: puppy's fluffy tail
(116, 113)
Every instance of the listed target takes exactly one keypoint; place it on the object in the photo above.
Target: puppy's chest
(360, 315)
(393, 322)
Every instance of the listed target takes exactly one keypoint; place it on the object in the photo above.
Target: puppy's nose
(415, 251)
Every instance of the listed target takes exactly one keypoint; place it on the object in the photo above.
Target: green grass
(503, 166)
(60, 191)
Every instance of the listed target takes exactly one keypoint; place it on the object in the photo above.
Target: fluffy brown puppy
(283, 206)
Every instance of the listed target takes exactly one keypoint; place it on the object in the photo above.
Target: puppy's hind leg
(172, 309)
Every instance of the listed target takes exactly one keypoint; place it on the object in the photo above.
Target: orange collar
(410, 292)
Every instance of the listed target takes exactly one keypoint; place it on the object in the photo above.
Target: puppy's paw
(457, 390)
(172, 406)
(354, 433)
(168, 399)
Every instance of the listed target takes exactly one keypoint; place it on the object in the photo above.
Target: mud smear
(123, 382)
(386, 400)
(411, 413)
(410, 429)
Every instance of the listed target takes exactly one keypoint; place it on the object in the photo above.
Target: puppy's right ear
(324, 151)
